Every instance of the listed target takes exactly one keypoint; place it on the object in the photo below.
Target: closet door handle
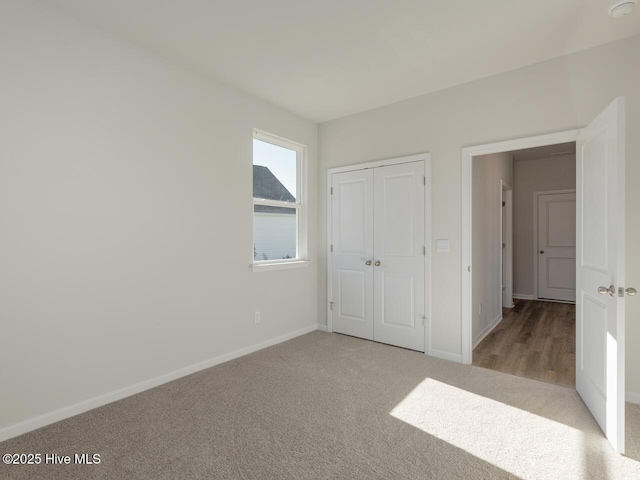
(377, 264)
(367, 263)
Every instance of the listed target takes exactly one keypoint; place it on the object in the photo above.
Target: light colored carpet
(330, 406)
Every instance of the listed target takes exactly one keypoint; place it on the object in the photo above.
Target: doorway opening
(524, 250)
(600, 260)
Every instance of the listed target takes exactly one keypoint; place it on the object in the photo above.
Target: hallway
(535, 340)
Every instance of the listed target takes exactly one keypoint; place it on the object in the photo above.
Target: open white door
(600, 270)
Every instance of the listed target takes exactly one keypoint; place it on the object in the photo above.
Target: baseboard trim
(523, 296)
(555, 301)
(95, 402)
(452, 357)
(323, 328)
(487, 330)
(633, 397)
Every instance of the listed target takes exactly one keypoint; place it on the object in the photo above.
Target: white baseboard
(452, 357)
(633, 397)
(555, 301)
(323, 328)
(95, 402)
(523, 296)
(486, 331)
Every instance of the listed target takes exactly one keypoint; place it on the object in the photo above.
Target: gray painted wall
(487, 170)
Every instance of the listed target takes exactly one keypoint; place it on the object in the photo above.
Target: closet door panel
(399, 262)
(352, 240)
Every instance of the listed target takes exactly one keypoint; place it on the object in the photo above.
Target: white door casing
(399, 250)
(600, 317)
(506, 227)
(352, 256)
(503, 249)
(556, 246)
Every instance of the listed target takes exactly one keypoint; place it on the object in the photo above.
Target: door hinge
(504, 204)
(424, 180)
(331, 306)
(424, 321)
(469, 268)
(504, 245)
(424, 250)
(331, 190)
(331, 248)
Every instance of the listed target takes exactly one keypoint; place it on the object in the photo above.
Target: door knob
(377, 264)
(541, 252)
(368, 262)
(632, 292)
(604, 290)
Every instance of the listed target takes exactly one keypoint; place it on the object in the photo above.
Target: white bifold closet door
(378, 276)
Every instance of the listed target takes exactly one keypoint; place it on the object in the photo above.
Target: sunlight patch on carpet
(517, 441)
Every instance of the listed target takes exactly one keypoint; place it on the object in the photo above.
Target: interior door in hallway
(557, 246)
(352, 255)
(399, 256)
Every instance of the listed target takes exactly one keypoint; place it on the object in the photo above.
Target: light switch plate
(442, 245)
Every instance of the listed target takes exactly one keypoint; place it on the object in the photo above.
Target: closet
(378, 254)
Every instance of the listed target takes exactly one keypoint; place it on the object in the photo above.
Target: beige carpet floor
(330, 406)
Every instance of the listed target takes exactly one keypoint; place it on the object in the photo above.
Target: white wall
(488, 170)
(126, 213)
(536, 175)
(561, 94)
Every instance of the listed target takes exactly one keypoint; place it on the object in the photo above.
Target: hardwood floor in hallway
(534, 340)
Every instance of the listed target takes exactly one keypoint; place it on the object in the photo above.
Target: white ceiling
(324, 59)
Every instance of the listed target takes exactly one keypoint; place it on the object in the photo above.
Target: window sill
(263, 267)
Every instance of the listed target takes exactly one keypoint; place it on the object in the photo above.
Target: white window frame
(300, 205)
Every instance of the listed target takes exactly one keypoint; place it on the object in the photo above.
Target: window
(279, 213)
